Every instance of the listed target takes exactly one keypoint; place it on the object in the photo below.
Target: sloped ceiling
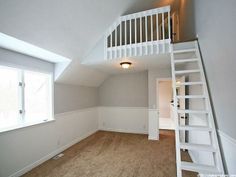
(69, 28)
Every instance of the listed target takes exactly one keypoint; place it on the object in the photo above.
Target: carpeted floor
(110, 154)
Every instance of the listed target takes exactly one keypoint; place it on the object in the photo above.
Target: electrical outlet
(144, 127)
(58, 156)
(58, 142)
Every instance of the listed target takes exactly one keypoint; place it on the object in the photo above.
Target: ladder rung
(190, 96)
(184, 51)
(186, 60)
(191, 83)
(197, 147)
(188, 111)
(203, 169)
(195, 128)
(187, 71)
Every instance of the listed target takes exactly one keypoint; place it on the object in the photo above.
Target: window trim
(23, 123)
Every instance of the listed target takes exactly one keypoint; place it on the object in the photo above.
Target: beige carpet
(110, 154)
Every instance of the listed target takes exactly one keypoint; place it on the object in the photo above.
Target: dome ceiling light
(125, 65)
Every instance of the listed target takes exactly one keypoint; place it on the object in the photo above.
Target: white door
(175, 27)
(182, 119)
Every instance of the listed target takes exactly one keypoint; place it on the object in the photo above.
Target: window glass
(37, 96)
(9, 97)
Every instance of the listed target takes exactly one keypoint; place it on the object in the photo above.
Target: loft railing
(138, 34)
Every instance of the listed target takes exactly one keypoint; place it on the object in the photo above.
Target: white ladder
(184, 56)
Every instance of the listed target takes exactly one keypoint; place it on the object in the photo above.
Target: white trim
(229, 151)
(157, 98)
(227, 137)
(49, 156)
(21, 97)
(74, 111)
(123, 131)
(166, 123)
(25, 125)
(120, 107)
(123, 119)
(157, 86)
(14, 44)
(153, 124)
(152, 138)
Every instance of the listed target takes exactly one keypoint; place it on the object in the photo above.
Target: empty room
(117, 88)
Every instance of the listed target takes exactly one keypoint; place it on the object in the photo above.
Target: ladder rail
(214, 147)
(213, 135)
(177, 144)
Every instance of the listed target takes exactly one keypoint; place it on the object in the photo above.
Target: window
(25, 98)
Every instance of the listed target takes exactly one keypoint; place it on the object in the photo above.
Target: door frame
(175, 18)
(157, 95)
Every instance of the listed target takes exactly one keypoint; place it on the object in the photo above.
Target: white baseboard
(166, 123)
(229, 151)
(123, 131)
(153, 138)
(49, 156)
(123, 119)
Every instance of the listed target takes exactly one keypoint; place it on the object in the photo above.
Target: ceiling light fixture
(125, 65)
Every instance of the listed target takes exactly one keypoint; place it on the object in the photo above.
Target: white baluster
(157, 29)
(110, 44)
(130, 37)
(169, 35)
(163, 32)
(151, 33)
(141, 37)
(115, 40)
(146, 34)
(105, 46)
(135, 28)
(125, 38)
(120, 38)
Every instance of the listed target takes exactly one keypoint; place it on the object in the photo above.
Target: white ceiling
(69, 28)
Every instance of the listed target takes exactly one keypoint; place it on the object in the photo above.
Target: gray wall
(125, 90)
(215, 26)
(71, 97)
(186, 20)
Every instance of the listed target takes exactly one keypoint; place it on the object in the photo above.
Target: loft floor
(110, 154)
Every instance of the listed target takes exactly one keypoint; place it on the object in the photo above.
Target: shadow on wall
(185, 11)
(186, 20)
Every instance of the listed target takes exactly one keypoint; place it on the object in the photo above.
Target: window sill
(25, 125)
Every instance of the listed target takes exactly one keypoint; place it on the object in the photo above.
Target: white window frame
(21, 87)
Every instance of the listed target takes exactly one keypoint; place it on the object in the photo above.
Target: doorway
(165, 105)
(174, 27)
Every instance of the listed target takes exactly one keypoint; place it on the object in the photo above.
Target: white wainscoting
(123, 119)
(23, 149)
(229, 151)
(227, 142)
(153, 124)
